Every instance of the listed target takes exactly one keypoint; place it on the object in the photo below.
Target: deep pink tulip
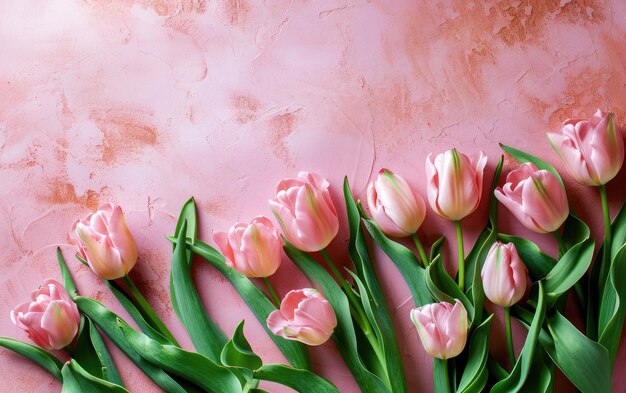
(305, 316)
(504, 275)
(535, 197)
(592, 150)
(305, 211)
(104, 241)
(442, 328)
(51, 318)
(254, 249)
(395, 206)
(455, 183)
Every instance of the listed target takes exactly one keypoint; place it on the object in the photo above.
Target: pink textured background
(147, 102)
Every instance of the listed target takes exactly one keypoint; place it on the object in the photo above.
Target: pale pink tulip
(442, 328)
(51, 318)
(254, 249)
(395, 206)
(535, 197)
(504, 275)
(592, 150)
(104, 241)
(455, 183)
(305, 211)
(305, 316)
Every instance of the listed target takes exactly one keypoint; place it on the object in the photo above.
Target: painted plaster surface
(148, 102)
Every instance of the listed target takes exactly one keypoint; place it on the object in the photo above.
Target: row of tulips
(449, 316)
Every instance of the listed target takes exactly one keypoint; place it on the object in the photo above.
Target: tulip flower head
(254, 249)
(535, 197)
(51, 318)
(305, 211)
(504, 275)
(592, 150)
(104, 241)
(442, 328)
(305, 316)
(395, 206)
(455, 183)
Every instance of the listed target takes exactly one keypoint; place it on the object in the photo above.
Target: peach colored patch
(125, 133)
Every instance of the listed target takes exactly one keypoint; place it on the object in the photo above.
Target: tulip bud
(305, 211)
(254, 250)
(442, 328)
(395, 206)
(305, 316)
(504, 275)
(592, 150)
(104, 241)
(455, 183)
(51, 318)
(535, 197)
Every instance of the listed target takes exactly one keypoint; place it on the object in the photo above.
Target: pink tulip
(592, 150)
(305, 316)
(504, 275)
(455, 183)
(535, 197)
(254, 250)
(305, 211)
(395, 206)
(442, 328)
(51, 318)
(104, 241)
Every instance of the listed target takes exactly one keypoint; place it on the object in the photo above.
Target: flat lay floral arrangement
(348, 306)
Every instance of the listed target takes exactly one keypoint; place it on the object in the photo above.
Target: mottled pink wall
(145, 103)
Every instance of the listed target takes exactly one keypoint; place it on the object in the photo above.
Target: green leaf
(134, 312)
(68, 281)
(541, 377)
(70, 383)
(522, 157)
(187, 214)
(258, 302)
(38, 355)
(380, 316)
(437, 247)
(443, 288)
(82, 350)
(474, 377)
(569, 269)
(538, 263)
(107, 322)
(613, 306)
(191, 366)
(574, 231)
(109, 371)
(78, 380)
(205, 334)
(238, 353)
(344, 336)
(584, 362)
(300, 380)
(599, 276)
(520, 372)
(405, 261)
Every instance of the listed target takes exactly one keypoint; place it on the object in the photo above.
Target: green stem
(357, 311)
(420, 249)
(461, 251)
(509, 336)
(270, 289)
(148, 312)
(608, 239)
(446, 375)
(560, 242)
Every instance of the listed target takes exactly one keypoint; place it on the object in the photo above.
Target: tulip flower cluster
(452, 314)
